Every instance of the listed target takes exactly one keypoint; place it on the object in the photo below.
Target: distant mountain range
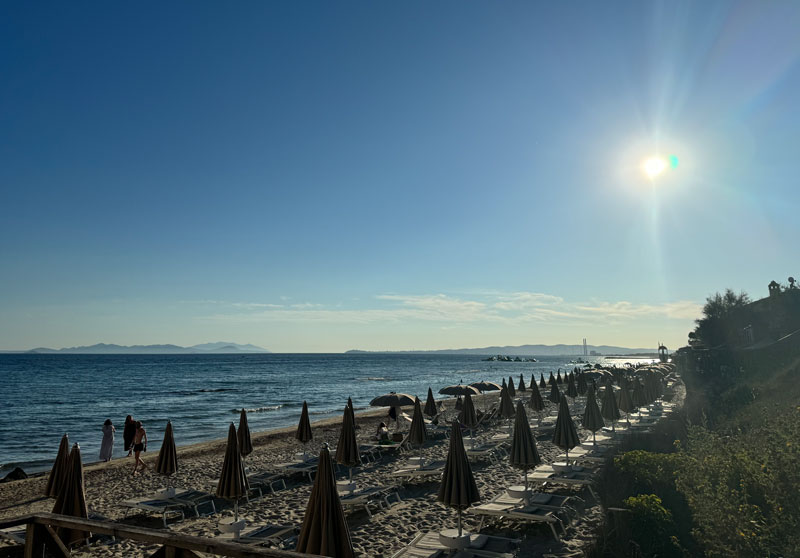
(220, 347)
(529, 350)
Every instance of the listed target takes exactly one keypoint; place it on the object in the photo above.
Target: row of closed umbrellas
(324, 530)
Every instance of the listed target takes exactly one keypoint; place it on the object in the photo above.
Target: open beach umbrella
(506, 405)
(59, 471)
(233, 483)
(243, 435)
(609, 408)
(347, 448)
(582, 386)
(71, 499)
(167, 463)
(458, 489)
(484, 386)
(303, 433)
(555, 394)
(392, 399)
(430, 405)
(624, 400)
(524, 454)
(572, 391)
(459, 389)
(536, 401)
(521, 384)
(565, 434)
(324, 531)
(417, 435)
(542, 383)
(511, 391)
(592, 418)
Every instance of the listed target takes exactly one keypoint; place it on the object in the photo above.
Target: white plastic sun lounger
(377, 496)
(428, 545)
(431, 469)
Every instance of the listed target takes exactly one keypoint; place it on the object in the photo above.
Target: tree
(714, 327)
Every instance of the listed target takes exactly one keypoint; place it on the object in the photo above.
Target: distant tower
(585, 349)
(663, 352)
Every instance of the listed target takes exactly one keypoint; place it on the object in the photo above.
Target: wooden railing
(41, 535)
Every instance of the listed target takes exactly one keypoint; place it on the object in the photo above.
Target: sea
(44, 396)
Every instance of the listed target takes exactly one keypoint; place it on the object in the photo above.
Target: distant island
(220, 347)
(530, 350)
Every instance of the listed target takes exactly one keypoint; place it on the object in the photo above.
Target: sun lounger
(266, 479)
(430, 469)
(546, 474)
(171, 503)
(303, 468)
(518, 510)
(491, 451)
(587, 455)
(264, 535)
(428, 545)
(377, 496)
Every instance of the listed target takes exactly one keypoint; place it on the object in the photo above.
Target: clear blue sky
(319, 176)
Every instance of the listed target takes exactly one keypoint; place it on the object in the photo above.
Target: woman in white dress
(107, 446)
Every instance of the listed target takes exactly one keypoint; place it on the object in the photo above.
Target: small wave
(215, 390)
(264, 409)
(374, 379)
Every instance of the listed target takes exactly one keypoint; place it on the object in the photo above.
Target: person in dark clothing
(129, 433)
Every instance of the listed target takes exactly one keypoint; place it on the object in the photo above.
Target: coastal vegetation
(720, 479)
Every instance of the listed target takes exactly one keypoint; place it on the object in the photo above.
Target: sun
(654, 166)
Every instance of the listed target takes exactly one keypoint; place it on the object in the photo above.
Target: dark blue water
(44, 396)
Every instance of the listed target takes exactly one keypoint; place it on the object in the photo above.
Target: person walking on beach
(107, 445)
(139, 445)
(128, 434)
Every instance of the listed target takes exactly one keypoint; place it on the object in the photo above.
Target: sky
(318, 177)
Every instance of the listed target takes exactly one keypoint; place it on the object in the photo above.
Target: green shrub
(652, 526)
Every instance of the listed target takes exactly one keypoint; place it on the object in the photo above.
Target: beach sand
(388, 531)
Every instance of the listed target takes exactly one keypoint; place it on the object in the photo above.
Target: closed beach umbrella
(417, 434)
(458, 489)
(537, 404)
(542, 383)
(351, 411)
(552, 379)
(511, 390)
(559, 379)
(555, 394)
(506, 405)
(609, 408)
(347, 449)
(59, 471)
(638, 396)
(430, 405)
(71, 499)
(243, 435)
(504, 385)
(524, 454)
(167, 463)
(469, 417)
(303, 433)
(565, 434)
(624, 400)
(521, 384)
(324, 531)
(592, 418)
(233, 482)
(582, 386)
(572, 391)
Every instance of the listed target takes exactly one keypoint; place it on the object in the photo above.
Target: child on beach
(383, 433)
(139, 445)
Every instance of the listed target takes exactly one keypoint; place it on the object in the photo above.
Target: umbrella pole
(594, 438)
(567, 453)
(459, 522)
(236, 510)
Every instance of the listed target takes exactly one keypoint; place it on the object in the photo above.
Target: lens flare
(654, 166)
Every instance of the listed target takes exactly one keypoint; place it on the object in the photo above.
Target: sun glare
(654, 166)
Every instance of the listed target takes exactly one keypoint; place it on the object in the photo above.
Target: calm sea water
(44, 396)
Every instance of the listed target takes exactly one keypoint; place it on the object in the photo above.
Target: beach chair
(377, 496)
(546, 474)
(303, 468)
(529, 513)
(432, 469)
(263, 535)
(491, 451)
(267, 479)
(170, 503)
(429, 545)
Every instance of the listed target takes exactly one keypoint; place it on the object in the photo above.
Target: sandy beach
(388, 531)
